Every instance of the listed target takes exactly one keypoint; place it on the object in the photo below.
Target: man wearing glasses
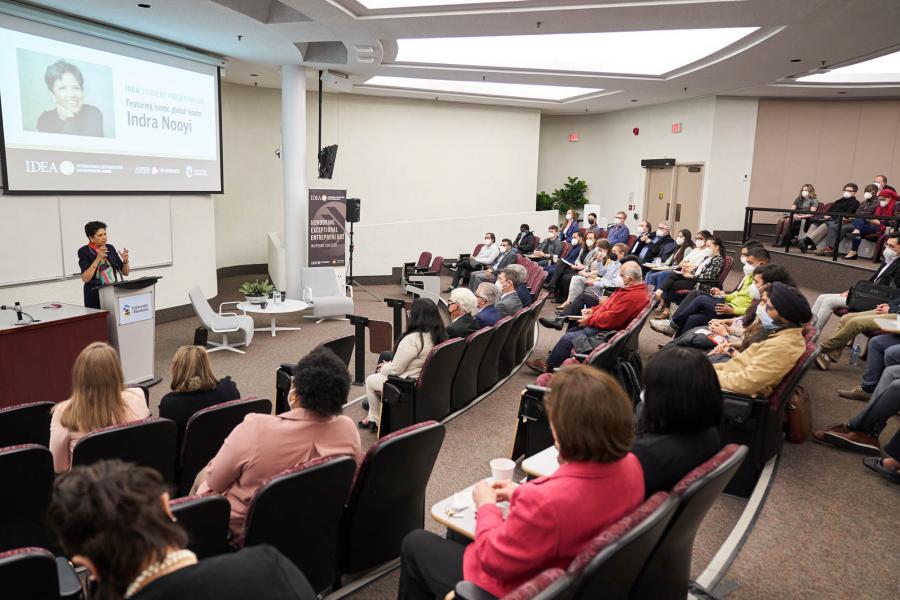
(847, 203)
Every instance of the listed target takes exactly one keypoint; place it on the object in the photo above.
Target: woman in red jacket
(551, 519)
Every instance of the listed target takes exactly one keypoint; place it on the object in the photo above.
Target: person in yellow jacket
(757, 370)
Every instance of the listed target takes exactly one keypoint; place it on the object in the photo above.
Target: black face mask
(591, 221)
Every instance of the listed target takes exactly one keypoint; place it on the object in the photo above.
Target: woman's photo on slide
(66, 96)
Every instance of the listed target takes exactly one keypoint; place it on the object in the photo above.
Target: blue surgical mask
(763, 315)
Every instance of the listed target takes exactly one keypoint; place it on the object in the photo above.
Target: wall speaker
(353, 210)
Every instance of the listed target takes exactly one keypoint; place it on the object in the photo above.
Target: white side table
(273, 310)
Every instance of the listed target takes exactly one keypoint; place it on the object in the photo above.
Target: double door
(673, 195)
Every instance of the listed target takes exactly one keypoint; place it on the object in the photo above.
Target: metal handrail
(790, 212)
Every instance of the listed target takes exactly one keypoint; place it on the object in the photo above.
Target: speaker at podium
(131, 326)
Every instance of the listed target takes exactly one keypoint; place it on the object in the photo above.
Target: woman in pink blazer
(264, 445)
(551, 519)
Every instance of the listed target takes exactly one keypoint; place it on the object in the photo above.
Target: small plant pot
(255, 299)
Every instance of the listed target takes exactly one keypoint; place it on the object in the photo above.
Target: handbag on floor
(798, 416)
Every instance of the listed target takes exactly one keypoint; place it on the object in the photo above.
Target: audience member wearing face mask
(524, 242)
(485, 257)
(571, 225)
(550, 246)
(617, 232)
(787, 228)
(558, 284)
(861, 227)
(506, 257)
(829, 228)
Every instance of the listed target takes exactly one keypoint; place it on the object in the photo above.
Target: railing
(790, 212)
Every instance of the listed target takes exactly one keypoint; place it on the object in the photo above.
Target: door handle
(678, 212)
(667, 212)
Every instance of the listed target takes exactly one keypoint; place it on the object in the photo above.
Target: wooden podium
(131, 326)
(36, 358)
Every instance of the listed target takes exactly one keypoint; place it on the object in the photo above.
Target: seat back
(28, 471)
(342, 346)
(201, 306)
(205, 520)
(435, 382)
(535, 284)
(207, 429)
(322, 280)
(388, 497)
(29, 573)
(465, 380)
(477, 249)
(525, 336)
(631, 240)
(148, 443)
(507, 358)
(489, 370)
(612, 561)
(381, 336)
(436, 265)
(298, 511)
(727, 261)
(424, 259)
(666, 574)
(25, 424)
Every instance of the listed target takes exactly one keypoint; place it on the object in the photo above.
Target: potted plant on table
(256, 292)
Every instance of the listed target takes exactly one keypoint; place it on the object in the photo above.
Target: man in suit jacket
(618, 233)
(888, 274)
(524, 243)
(506, 257)
(643, 238)
(486, 297)
(463, 306)
(661, 246)
(522, 289)
(509, 301)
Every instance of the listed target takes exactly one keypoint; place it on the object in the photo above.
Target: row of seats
(458, 371)
(150, 442)
(329, 518)
(646, 554)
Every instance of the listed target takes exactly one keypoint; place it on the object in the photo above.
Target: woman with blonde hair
(99, 399)
(194, 387)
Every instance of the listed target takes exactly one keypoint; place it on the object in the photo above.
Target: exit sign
(676, 127)
(573, 137)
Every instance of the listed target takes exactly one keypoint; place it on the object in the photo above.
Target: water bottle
(854, 355)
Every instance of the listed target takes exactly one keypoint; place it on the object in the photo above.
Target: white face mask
(589, 243)
(619, 282)
(866, 195)
(699, 242)
(619, 221)
(847, 194)
(743, 260)
(753, 291)
(805, 193)
(883, 203)
(889, 254)
(569, 216)
(880, 185)
(488, 241)
(748, 269)
(679, 240)
(499, 287)
(660, 232)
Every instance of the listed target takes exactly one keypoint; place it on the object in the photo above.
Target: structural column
(293, 164)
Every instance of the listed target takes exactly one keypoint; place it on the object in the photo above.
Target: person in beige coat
(264, 445)
(424, 331)
(756, 371)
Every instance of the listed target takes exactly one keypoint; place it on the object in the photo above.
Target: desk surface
(462, 521)
(889, 323)
(543, 463)
(44, 313)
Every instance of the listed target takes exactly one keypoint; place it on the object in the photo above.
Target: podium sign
(131, 325)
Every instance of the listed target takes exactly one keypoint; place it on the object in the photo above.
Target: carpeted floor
(828, 529)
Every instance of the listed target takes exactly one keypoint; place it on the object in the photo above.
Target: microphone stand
(19, 312)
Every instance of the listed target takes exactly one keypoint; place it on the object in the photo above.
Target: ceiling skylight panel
(550, 93)
(884, 69)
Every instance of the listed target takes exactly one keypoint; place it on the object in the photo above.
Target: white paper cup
(502, 469)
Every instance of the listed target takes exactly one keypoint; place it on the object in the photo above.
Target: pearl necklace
(171, 559)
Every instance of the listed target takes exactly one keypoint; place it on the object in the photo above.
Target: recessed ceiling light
(550, 93)
(625, 52)
(884, 69)
(142, 5)
(796, 59)
(254, 75)
(382, 4)
(843, 92)
(634, 99)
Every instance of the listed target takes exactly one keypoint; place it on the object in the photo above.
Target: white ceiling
(344, 36)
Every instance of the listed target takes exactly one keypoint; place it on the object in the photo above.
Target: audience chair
(758, 422)
(329, 300)
(532, 433)
(489, 371)
(428, 280)
(148, 443)
(283, 376)
(538, 306)
(388, 497)
(29, 573)
(412, 268)
(719, 282)
(205, 519)
(666, 573)
(507, 358)
(451, 263)
(525, 343)
(28, 471)
(465, 380)
(299, 511)
(413, 400)
(25, 424)
(550, 584)
(221, 322)
(342, 346)
(207, 429)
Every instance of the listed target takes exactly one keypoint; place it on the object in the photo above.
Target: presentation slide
(83, 114)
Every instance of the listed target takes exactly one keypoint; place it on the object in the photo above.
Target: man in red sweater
(613, 313)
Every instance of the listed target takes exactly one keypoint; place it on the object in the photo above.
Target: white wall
(193, 256)
(412, 162)
(718, 132)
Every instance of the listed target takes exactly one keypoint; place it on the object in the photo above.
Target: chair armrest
(737, 408)
(466, 590)
(227, 314)
(707, 282)
(420, 269)
(537, 388)
(580, 357)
